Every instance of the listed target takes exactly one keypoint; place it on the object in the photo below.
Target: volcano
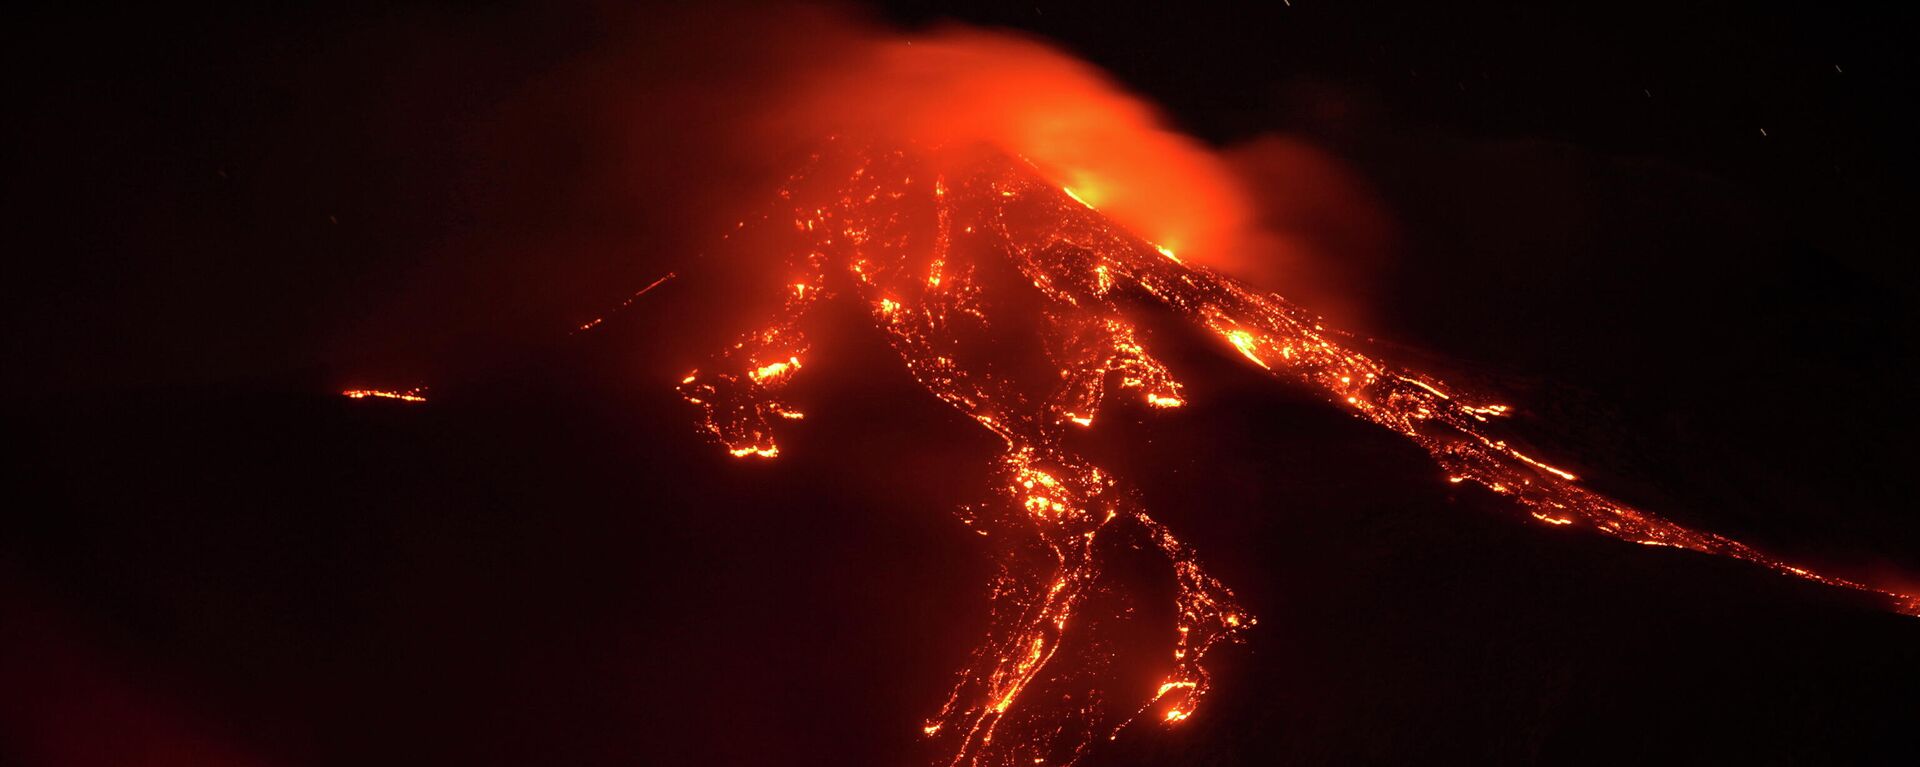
(556, 559)
(1682, 277)
(1010, 299)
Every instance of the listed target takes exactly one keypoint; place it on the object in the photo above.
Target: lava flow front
(914, 235)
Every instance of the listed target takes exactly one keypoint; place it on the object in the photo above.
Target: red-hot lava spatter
(910, 234)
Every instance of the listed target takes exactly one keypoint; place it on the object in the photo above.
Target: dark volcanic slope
(550, 567)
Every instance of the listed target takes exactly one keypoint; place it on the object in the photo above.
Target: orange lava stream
(909, 235)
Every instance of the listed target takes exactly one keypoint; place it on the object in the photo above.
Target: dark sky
(1675, 234)
(292, 167)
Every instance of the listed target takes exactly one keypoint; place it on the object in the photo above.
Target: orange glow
(1100, 145)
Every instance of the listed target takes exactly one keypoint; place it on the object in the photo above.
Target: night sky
(1675, 236)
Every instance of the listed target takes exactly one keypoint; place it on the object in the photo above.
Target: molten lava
(416, 394)
(911, 234)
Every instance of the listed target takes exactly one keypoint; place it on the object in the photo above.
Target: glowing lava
(417, 394)
(909, 235)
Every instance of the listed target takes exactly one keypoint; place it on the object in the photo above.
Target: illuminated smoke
(960, 86)
(1320, 234)
(1272, 210)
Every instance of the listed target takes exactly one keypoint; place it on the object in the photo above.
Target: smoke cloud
(1273, 210)
(648, 136)
(959, 85)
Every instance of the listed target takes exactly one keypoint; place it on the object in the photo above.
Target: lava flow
(913, 235)
(417, 394)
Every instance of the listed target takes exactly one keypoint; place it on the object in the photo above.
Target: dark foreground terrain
(551, 567)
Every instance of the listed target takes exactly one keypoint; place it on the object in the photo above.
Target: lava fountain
(914, 234)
